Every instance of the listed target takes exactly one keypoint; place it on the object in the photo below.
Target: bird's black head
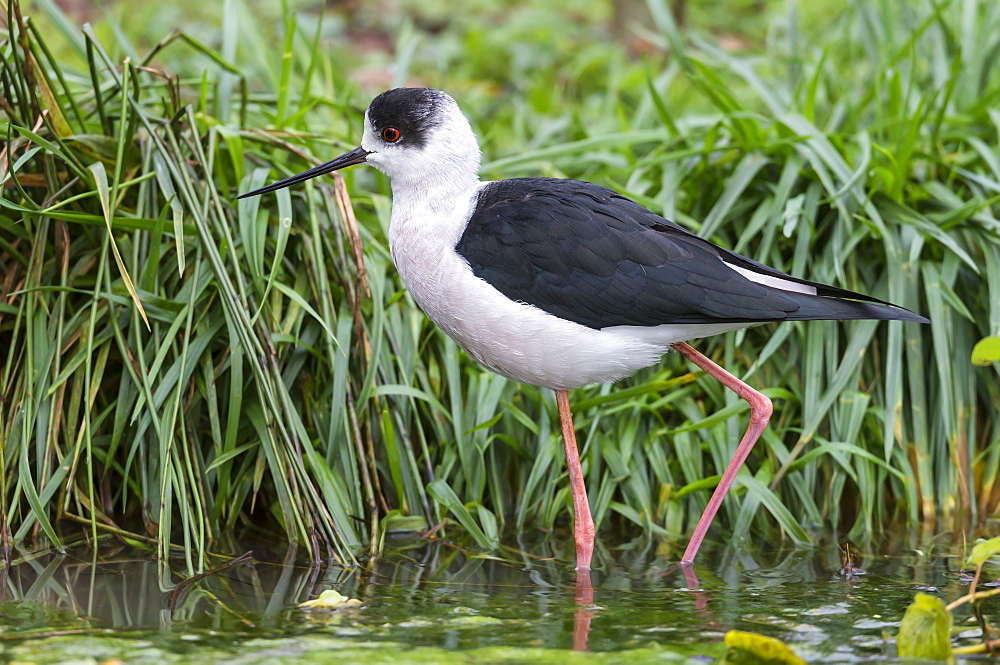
(411, 134)
(413, 112)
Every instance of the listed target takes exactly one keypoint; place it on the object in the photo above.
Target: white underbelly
(527, 344)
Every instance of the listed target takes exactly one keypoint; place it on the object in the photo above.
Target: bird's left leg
(583, 523)
(760, 413)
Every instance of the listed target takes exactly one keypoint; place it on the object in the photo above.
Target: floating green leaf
(926, 630)
(983, 551)
(331, 599)
(755, 649)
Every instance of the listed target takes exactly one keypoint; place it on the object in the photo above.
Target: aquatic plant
(178, 367)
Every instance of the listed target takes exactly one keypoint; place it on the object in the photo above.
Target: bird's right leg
(760, 413)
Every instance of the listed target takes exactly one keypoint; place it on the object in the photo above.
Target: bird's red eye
(391, 134)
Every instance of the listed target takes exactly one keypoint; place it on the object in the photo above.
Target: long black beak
(356, 156)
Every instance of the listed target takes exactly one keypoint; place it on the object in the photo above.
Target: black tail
(813, 308)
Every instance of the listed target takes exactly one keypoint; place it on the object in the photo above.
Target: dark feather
(587, 254)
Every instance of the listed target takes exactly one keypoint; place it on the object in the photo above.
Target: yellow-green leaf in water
(925, 631)
(983, 551)
(755, 649)
(986, 351)
(104, 194)
(331, 599)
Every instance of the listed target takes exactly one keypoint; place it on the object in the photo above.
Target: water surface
(436, 602)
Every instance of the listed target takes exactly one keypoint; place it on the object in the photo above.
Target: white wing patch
(774, 282)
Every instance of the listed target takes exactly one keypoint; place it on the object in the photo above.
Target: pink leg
(760, 413)
(583, 523)
(584, 614)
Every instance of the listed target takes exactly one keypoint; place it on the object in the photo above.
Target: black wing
(587, 254)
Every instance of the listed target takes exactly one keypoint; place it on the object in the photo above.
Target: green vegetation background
(278, 379)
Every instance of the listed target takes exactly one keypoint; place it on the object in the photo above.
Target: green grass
(277, 377)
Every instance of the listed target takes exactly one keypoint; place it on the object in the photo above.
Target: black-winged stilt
(562, 283)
